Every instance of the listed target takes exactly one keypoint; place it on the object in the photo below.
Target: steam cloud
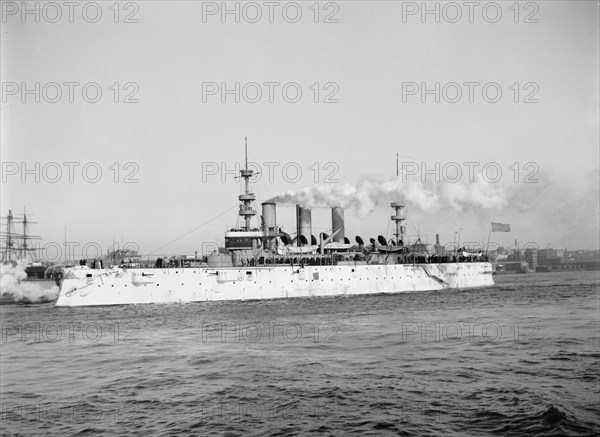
(12, 282)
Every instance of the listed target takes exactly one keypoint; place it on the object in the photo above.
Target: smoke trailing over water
(364, 196)
(12, 278)
(551, 211)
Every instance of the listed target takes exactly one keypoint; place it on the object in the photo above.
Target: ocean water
(520, 358)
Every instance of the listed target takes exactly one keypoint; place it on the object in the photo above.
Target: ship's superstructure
(264, 262)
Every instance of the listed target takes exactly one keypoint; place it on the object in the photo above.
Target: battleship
(264, 262)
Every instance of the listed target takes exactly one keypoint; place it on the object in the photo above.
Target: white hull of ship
(83, 286)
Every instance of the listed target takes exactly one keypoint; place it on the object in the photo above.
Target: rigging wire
(195, 229)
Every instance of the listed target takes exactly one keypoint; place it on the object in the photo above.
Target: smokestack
(269, 215)
(337, 222)
(304, 224)
(437, 239)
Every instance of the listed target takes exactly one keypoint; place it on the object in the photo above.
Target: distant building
(550, 257)
(561, 259)
(120, 256)
(531, 258)
(582, 255)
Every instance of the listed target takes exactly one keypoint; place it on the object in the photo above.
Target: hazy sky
(177, 134)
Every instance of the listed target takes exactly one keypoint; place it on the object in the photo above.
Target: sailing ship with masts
(31, 278)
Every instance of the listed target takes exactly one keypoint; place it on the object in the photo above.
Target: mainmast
(399, 216)
(26, 250)
(24, 233)
(246, 199)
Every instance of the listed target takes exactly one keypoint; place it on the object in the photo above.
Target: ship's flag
(500, 227)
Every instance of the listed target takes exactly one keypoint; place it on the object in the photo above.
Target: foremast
(243, 242)
(9, 249)
(247, 199)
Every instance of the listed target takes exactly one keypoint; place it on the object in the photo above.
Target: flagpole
(488, 241)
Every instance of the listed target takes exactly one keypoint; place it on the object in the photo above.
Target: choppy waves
(520, 358)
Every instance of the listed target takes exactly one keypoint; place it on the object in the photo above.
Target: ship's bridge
(243, 239)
